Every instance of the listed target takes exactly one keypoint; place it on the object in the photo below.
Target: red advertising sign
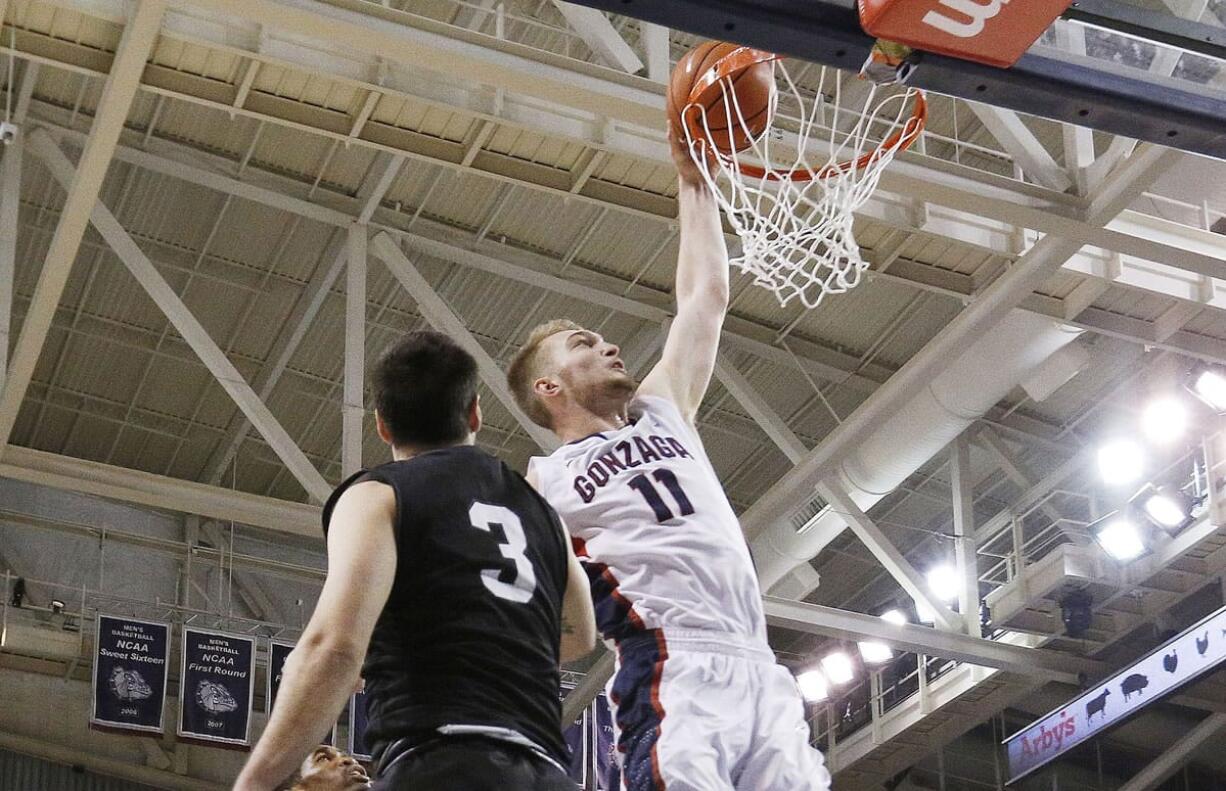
(996, 32)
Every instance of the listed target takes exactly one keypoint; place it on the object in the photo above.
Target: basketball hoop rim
(745, 57)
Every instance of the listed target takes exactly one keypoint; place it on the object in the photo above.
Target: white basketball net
(796, 235)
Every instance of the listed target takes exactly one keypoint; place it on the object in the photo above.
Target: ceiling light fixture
(838, 668)
(813, 686)
(1165, 419)
(1120, 538)
(1120, 462)
(943, 582)
(1209, 386)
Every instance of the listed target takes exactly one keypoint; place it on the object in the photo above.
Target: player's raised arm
(578, 615)
(685, 366)
(328, 658)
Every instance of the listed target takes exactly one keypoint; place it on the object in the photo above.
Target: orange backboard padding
(995, 32)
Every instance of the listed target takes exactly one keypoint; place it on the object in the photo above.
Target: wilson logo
(974, 15)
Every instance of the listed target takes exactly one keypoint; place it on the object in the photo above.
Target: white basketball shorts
(701, 711)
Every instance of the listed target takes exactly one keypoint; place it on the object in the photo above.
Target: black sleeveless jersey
(470, 632)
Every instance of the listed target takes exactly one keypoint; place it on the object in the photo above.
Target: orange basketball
(753, 86)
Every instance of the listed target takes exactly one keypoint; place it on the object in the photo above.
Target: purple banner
(608, 772)
(216, 682)
(130, 668)
(358, 747)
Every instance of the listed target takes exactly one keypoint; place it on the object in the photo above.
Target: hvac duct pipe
(934, 417)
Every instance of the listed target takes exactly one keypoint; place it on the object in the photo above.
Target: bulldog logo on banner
(130, 667)
(215, 686)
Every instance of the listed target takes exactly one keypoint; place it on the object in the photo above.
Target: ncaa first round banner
(130, 666)
(215, 686)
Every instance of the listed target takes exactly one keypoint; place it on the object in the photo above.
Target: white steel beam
(386, 178)
(1007, 292)
(1201, 248)
(656, 45)
(854, 626)
(1012, 133)
(473, 14)
(303, 315)
(995, 445)
(1078, 140)
(965, 551)
(444, 319)
(159, 491)
(625, 116)
(888, 555)
(83, 187)
(454, 251)
(10, 199)
(592, 685)
(188, 327)
(387, 36)
(1176, 755)
(265, 382)
(250, 589)
(598, 33)
(745, 394)
(1164, 63)
(353, 409)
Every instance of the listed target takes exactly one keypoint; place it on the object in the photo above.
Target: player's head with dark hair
(425, 389)
(329, 769)
(564, 369)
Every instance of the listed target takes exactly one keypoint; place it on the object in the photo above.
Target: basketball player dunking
(453, 578)
(699, 701)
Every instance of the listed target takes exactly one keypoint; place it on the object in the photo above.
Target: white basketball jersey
(653, 527)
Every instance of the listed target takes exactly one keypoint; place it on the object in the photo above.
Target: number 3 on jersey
(483, 517)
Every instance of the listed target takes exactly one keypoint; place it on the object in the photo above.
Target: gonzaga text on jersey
(628, 454)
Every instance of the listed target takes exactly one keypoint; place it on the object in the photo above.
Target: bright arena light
(896, 617)
(943, 582)
(1167, 510)
(1165, 419)
(1121, 539)
(1121, 462)
(813, 686)
(838, 667)
(876, 653)
(924, 613)
(1210, 386)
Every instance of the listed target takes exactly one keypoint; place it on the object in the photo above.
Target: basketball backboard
(1148, 69)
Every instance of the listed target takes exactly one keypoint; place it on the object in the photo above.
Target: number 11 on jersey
(643, 485)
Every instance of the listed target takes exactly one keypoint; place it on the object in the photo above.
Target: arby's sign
(1196, 651)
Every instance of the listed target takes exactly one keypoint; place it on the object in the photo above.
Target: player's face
(590, 369)
(328, 768)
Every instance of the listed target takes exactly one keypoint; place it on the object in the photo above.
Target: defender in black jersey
(455, 582)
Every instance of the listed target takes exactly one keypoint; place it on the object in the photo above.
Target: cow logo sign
(1179, 661)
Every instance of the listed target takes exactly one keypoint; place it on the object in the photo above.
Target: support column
(965, 551)
(355, 352)
(10, 199)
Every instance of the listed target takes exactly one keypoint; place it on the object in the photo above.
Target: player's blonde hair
(526, 367)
